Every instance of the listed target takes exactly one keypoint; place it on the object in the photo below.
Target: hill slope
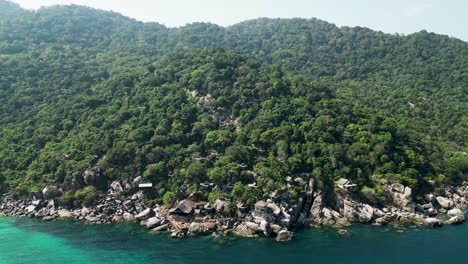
(254, 102)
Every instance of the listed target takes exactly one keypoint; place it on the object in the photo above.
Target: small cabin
(345, 184)
(145, 185)
(183, 211)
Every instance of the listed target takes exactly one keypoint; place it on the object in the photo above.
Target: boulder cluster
(276, 217)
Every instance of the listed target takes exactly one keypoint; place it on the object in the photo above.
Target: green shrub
(368, 193)
(87, 196)
(67, 199)
(169, 198)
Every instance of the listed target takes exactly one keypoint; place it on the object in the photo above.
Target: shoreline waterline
(74, 241)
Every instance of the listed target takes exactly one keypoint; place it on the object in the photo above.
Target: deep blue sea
(24, 240)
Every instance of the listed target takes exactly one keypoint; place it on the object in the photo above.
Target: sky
(448, 17)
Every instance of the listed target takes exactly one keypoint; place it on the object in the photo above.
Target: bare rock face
(320, 213)
(401, 196)
(357, 212)
(444, 202)
(366, 213)
(316, 209)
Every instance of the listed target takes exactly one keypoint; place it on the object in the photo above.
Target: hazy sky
(449, 17)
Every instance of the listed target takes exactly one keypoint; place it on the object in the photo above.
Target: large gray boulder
(430, 198)
(94, 177)
(30, 209)
(366, 212)
(243, 231)
(51, 192)
(252, 226)
(145, 214)
(316, 209)
(128, 217)
(275, 209)
(456, 212)
(153, 222)
(195, 228)
(137, 181)
(432, 222)
(284, 235)
(93, 219)
(357, 212)
(63, 213)
(402, 197)
(202, 228)
(139, 196)
(275, 228)
(444, 202)
(116, 186)
(161, 228)
(331, 217)
(456, 216)
(265, 228)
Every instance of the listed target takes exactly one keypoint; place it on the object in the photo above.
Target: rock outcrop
(432, 222)
(357, 212)
(455, 216)
(276, 217)
(96, 177)
(402, 197)
(284, 235)
(445, 202)
(145, 214)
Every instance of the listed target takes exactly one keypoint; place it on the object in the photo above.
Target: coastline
(275, 220)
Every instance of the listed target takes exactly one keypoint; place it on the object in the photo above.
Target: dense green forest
(254, 102)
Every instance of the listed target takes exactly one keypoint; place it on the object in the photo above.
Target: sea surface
(24, 240)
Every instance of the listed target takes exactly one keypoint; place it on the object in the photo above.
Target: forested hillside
(251, 103)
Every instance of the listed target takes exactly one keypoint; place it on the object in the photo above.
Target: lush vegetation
(254, 102)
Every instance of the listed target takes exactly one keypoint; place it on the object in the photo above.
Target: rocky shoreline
(271, 218)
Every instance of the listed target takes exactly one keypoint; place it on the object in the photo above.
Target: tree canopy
(254, 102)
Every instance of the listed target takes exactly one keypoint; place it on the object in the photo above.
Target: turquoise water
(26, 240)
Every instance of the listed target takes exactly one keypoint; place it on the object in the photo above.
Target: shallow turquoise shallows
(33, 241)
